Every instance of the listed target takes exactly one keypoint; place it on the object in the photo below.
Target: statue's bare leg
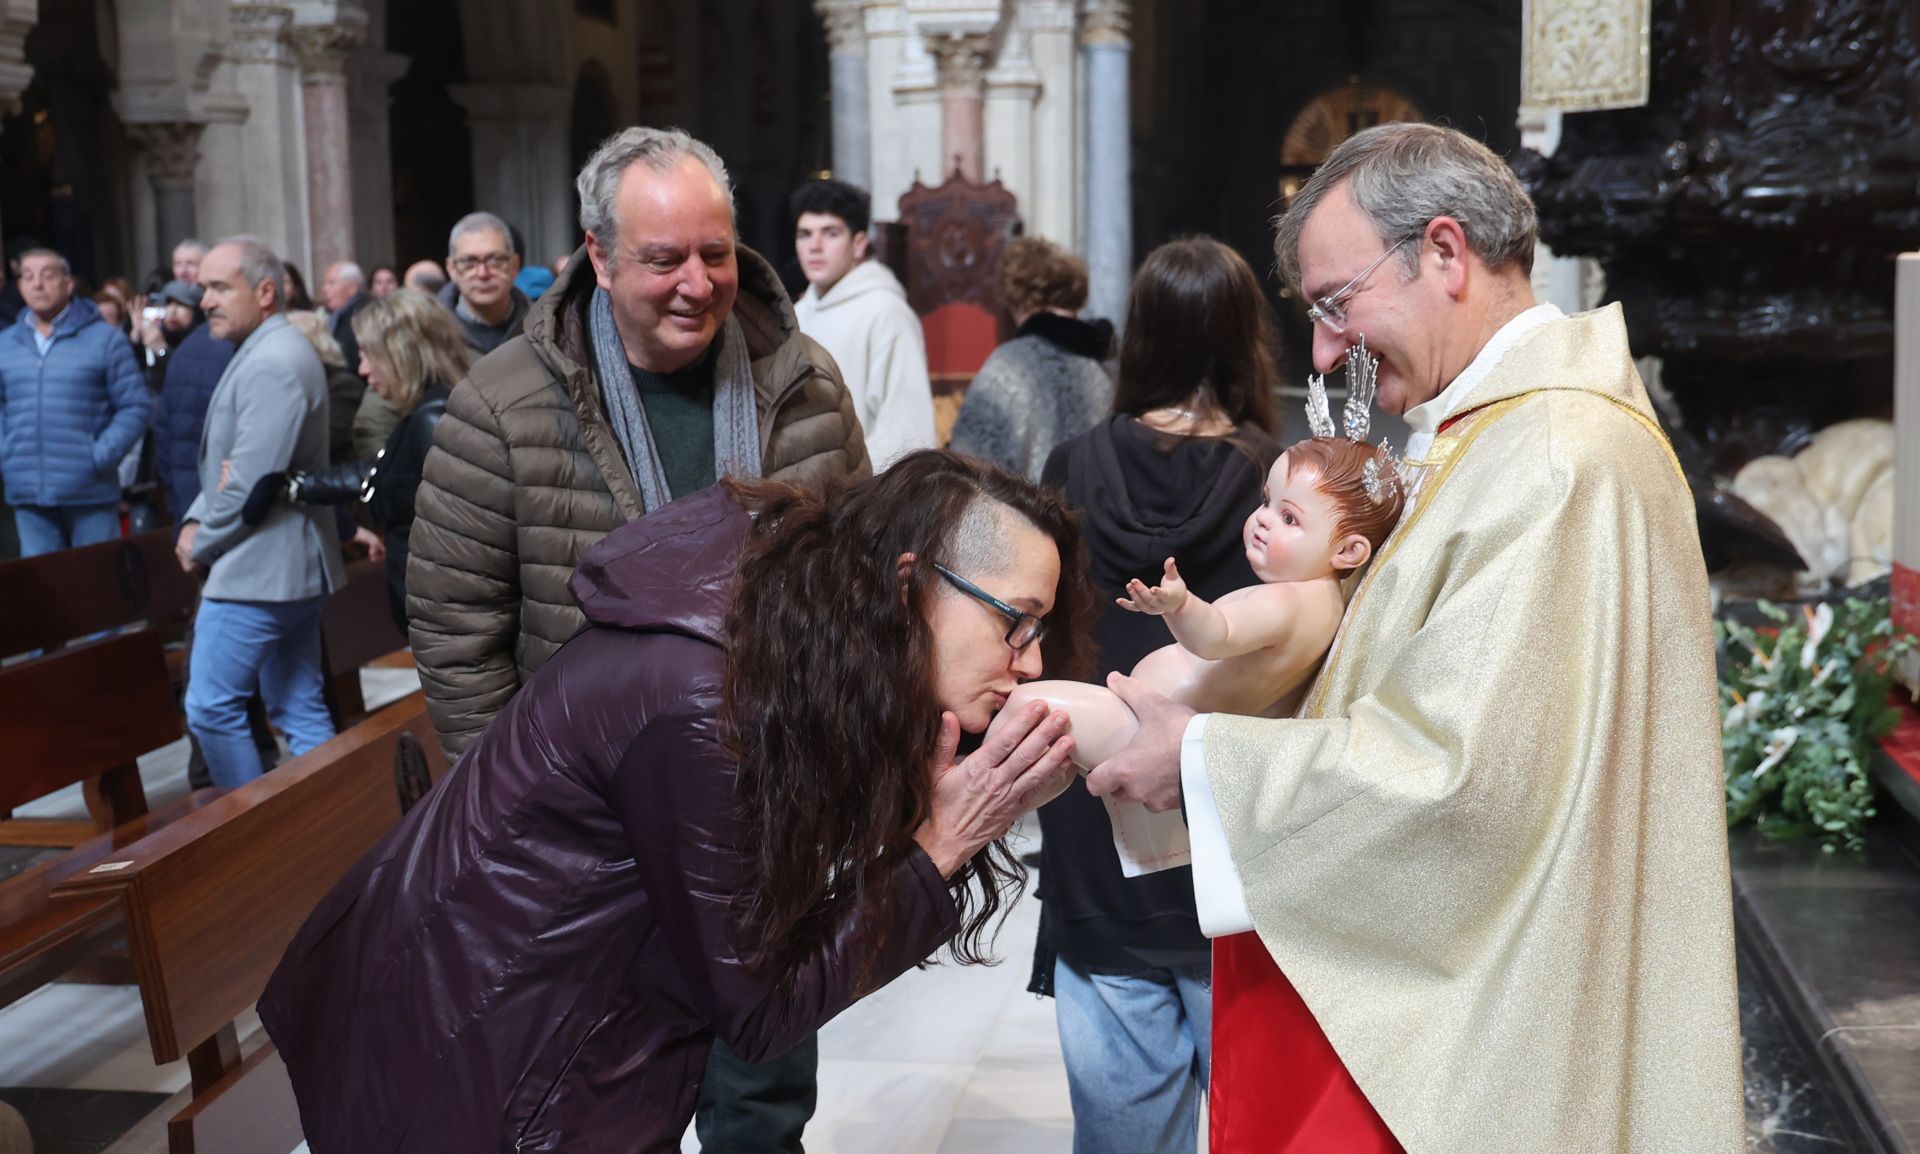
(1101, 723)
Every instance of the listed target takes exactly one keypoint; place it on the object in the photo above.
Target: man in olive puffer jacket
(528, 471)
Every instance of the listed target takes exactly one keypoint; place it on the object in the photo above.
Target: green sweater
(679, 409)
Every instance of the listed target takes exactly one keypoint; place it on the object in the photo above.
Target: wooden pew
(81, 715)
(57, 597)
(356, 629)
(212, 900)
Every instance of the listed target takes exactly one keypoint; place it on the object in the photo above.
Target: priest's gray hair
(661, 149)
(1402, 176)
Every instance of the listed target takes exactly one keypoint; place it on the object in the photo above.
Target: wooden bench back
(57, 597)
(82, 714)
(357, 628)
(212, 900)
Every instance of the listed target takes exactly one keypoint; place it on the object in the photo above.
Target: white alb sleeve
(1218, 894)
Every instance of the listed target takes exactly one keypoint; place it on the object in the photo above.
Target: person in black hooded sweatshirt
(1173, 471)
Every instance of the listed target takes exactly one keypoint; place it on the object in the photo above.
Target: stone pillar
(322, 50)
(847, 51)
(262, 159)
(1109, 173)
(1053, 211)
(17, 18)
(521, 170)
(372, 75)
(960, 60)
(1012, 88)
(1557, 280)
(173, 156)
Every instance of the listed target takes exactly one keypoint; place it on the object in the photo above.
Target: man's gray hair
(193, 243)
(479, 222)
(1403, 175)
(348, 271)
(258, 262)
(661, 149)
(66, 269)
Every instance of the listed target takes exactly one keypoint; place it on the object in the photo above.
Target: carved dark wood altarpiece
(1748, 217)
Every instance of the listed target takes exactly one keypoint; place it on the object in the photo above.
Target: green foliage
(1799, 707)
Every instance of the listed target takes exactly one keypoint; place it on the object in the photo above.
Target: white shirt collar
(1426, 418)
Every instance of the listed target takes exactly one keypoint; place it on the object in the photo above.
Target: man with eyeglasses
(1475, 896)
(482, 263)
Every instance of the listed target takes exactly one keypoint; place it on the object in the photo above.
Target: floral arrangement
(1799, 706)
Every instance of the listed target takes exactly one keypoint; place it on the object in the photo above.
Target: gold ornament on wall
(1334, 116)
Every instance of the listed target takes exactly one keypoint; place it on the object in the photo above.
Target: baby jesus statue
(1329, 503)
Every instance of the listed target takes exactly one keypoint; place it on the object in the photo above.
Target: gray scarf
(736, 419)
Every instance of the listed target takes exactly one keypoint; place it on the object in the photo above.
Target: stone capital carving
(17, 18)
(259, 33)
(1047, 15)
(846, 22)
(323, 50)
(1104, 22)
(960, 58)
(173, 150)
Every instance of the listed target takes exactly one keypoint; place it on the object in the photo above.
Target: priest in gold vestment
(1489, 855)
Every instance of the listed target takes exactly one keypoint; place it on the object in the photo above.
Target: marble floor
(946, 1060)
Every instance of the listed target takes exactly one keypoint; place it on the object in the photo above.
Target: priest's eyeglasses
(1026, 628)
(1331, 310)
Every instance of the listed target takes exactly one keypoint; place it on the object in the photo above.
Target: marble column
(322, 50)
(960, 60)
(373, 75)
(1053, 211)
(173, 156)
(1557, 280)
(17, 18)
(847, 54)
(261, 161)
(1109, 172)
(521, 170)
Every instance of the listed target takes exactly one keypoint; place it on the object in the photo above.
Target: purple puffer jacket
(539, 956)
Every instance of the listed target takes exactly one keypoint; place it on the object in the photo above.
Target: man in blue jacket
(72, 405)
(192, 370)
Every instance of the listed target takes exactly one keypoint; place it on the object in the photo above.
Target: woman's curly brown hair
(828, 702)
(1037, 274)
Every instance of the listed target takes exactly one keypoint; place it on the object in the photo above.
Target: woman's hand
(369, 542)
(1024, 765)
(1162, 600)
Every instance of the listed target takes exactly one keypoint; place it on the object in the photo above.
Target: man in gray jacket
(259, 621)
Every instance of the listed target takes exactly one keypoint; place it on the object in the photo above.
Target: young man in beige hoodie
(858, 310)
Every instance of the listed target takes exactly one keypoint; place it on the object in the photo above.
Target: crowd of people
(708, 618)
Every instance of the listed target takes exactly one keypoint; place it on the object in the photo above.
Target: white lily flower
(1819, 621)
(1779, 743)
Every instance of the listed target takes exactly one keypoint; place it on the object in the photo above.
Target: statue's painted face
(1290, 537)
(974, 668)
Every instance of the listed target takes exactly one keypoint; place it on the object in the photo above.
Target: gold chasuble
(1491, 853)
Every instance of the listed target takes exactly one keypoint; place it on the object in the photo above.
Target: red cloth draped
(1277, 1085)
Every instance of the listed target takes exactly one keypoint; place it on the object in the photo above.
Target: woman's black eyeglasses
(1026, 628)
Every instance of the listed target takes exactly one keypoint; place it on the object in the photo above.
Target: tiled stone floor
(947, 1060)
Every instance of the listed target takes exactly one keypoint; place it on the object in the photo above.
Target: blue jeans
(50, 528)
(1136, 1048)
(240, 646)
